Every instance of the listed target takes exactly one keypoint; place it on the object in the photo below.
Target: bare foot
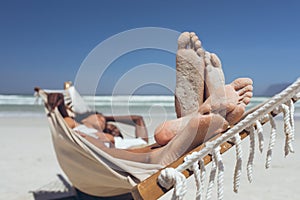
(214, 76)
(244, 89)
(229, 101)
(189, 74)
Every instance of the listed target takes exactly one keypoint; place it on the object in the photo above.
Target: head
(113, 130)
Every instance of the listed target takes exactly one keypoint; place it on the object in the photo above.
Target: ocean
(154, 109)
(147, 106)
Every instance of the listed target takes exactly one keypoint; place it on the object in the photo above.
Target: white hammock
(90, 169)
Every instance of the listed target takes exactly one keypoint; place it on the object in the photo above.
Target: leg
(195, 129)
(228, 101)
(199, 129)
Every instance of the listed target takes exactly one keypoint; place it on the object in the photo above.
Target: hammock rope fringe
(251, 155)
(238, 165)
(282, 102)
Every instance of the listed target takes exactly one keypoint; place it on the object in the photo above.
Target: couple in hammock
(204, 106)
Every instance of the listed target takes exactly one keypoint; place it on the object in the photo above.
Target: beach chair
(96, 173)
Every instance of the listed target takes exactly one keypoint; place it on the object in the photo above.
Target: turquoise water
(160, 106)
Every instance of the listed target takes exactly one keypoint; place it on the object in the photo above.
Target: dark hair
(57, 100)
(113, 130)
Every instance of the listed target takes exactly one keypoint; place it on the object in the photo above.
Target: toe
(246, 100)
(184, 40)
(197, 45)
(244, 90)
(241, 83)
(194, 39)
(207, 59)
(201, 52)
(216, 62)
(248, 94)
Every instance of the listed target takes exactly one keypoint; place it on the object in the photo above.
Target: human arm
(133, 120)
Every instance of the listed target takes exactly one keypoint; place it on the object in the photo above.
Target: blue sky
(44, 43)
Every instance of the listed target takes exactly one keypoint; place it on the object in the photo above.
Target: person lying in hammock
(218, 106)
(99, 126)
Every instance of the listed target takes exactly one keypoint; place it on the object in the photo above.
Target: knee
(70, 122)
(163, 135)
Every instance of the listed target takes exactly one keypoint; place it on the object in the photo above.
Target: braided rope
(292, 120)
(272, 141)
(292, 112)
(287, 129)
(202, 179)
(238, 165)
(169, 177)
(195, 168)
(212, 176)
(259, 129)
(220, 167)
(251, 155)
(286, 117)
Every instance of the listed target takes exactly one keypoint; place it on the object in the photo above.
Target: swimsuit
(79, 117)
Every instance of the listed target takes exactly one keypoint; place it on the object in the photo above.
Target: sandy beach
(149, 59)
(28, 163)
(28, 160)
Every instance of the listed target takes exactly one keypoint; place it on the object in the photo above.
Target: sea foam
(29, 105)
